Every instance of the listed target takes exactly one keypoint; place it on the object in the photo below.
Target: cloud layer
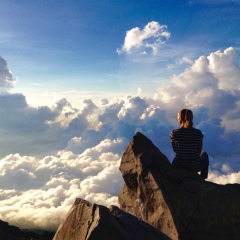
(52, 155)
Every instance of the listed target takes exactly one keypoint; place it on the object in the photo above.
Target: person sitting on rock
(187, 143)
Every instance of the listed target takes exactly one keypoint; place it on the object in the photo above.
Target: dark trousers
(204, 165)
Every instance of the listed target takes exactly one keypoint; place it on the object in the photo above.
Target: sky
(79, 78)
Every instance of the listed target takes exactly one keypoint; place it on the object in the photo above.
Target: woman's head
(185, 118)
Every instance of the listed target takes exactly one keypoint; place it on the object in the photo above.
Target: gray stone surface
(87, 221)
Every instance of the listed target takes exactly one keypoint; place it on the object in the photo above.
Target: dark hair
(186, 116)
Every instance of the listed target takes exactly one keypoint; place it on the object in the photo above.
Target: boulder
(87, 221)
(9, 232)
(176, 202)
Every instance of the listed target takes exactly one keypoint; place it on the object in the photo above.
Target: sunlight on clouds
(229, 72)
(139, 90)
(102, 199)
(211, 81)
(152, 36)
(56, 184)
(225, 179)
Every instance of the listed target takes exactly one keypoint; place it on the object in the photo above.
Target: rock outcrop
(9, 232)
(177, 202)
(95, 222)
(157, 201)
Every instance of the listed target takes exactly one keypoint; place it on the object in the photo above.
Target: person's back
(187, 144)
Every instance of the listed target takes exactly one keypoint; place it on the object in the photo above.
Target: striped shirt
(187, 142)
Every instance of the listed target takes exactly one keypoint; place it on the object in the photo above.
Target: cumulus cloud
(6, 78)
(211, 81)
(52, 155)
(152, 36)
(229, 72)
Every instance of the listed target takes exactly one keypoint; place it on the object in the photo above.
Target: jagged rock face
(87, 221)
(177, 202)
(141, 195)
(9, 232)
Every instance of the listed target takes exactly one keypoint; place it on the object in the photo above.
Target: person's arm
(173, 145)
(200, 146)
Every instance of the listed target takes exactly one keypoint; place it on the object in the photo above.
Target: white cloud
(104, 101)
(184, 60)
(228, 74)
(224, 179)
(211, 81)
(6, 78)
(152, 36)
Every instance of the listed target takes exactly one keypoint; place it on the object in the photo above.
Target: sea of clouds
(51, 155)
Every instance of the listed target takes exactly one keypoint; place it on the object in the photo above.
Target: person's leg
(204, 165)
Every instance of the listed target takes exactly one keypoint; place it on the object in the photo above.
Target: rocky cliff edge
(157, 202)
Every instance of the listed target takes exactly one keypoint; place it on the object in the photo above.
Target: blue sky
(54, 47)
(90, 74)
